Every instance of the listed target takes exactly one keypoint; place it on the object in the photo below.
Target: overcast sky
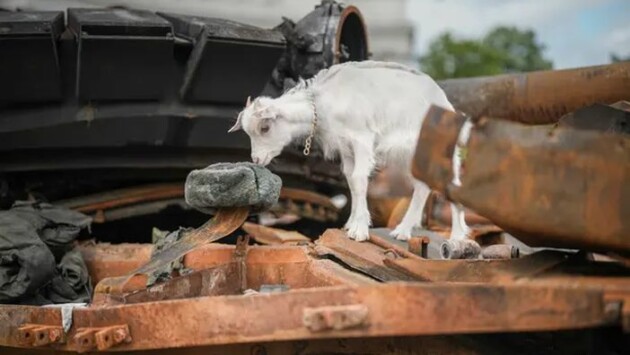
(576, 32)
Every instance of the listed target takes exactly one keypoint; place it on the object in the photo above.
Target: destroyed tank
(98, 100)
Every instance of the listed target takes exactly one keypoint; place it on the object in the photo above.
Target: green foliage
(614, 58)
(502, 50)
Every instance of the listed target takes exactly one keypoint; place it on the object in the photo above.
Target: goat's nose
(255, 159)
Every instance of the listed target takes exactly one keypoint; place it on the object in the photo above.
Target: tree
(502, 50)
(615, 58)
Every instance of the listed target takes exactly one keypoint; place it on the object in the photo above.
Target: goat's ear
(237, 126)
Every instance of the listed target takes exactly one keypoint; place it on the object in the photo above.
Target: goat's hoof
(400, 234)
(358, 233)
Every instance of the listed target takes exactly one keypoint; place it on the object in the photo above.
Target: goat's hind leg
(413, 216)
(459, 228)
(358, 224)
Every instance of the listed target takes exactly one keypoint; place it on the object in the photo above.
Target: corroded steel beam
(392, 309)
(539, 97)
(558, 187)
(324, 301)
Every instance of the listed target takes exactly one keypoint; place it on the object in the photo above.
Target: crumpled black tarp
(37, 263)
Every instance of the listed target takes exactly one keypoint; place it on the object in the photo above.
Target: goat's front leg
(363, 162)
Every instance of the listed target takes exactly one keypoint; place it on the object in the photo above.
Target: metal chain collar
(309, 139)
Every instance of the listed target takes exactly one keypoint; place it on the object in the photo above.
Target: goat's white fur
(370, 113)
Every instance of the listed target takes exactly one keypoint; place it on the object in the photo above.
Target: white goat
(367, 113)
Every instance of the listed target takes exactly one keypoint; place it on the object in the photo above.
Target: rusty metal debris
(476, 271)
(226, 221)
(561, 185)
(272, 236)
(101, 338)
(539, 97)
(367, 258)
(573, 182)
(40, 335)
(332, 33)
(500, 251)
(613, 118)
(419, 246)
(460, 249)
(324, 300)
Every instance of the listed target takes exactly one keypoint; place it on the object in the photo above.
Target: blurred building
(390, 32)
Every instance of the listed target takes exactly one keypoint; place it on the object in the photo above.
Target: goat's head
(267, 127)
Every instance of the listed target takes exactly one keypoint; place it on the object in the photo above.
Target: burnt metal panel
(323, 301)
(122, 54)
(229, 62)
(613, 118)
(558, 187)
(330, 34)
(29, 64)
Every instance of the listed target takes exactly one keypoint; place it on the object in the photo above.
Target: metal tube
(539, 97)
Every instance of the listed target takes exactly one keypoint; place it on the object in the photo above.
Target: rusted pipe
(539, 97)
(460, 249)
(500, 251)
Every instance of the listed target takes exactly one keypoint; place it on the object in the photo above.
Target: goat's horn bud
(249, 101)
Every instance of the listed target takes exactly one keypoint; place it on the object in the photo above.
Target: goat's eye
(264, 128)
